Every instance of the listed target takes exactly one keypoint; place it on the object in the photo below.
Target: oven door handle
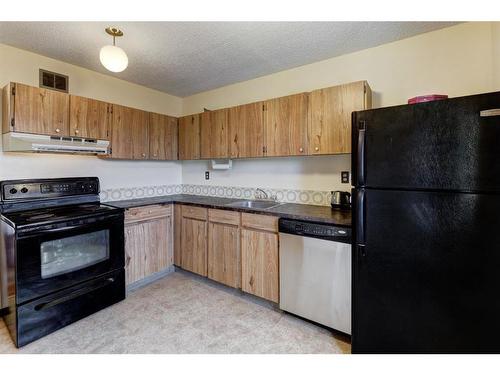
(57, 230)
(76, 294)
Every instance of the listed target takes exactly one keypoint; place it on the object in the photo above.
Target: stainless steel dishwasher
(315, 272)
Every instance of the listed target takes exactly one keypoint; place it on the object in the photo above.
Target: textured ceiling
(184, 58)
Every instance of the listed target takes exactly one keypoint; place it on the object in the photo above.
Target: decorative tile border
(119, 194)
(320, 198)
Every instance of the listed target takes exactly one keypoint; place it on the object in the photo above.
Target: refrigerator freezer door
(441, 145)
(426, 279)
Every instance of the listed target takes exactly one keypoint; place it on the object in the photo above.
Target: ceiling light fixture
(112, 57)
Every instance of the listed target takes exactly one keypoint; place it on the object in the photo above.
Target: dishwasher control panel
(316, 230)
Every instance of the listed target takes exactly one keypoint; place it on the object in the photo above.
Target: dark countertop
(321, 214)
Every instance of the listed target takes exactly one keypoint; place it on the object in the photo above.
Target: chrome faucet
(261, 194)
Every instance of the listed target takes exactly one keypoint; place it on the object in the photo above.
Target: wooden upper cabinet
(34, 110)
(129, 133)
(89, 118)
(246, 130)
(214, 134)
(189, 137)
(162, 137)
(285, 124)
(330, 116)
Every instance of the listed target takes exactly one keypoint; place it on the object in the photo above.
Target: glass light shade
(113, 58)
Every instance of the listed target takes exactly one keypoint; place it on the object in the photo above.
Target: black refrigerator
(426, 227)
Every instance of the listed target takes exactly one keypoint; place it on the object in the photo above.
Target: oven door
(55, 257)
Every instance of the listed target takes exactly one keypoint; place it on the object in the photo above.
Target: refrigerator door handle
(361, 152)
(490, 112)
(360, 217)
(361, 251)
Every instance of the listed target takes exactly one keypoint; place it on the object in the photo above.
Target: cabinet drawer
(261, 222)
(224, 216)
(193, 212)
(147, 212)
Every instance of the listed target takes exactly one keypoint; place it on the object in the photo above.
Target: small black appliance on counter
(341, 200)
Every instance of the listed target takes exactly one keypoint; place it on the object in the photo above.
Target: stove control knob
(24, 190)
(13, 191)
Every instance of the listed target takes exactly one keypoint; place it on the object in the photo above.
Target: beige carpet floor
(183, 313)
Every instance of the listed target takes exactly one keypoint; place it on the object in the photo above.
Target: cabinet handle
(155, 155)
(77, 131)
(301, 149)
(316, 148)
(143, 155)
(58, 130)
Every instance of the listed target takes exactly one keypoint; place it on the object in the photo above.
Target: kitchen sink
(254, 204)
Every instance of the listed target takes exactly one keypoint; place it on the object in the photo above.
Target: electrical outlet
(344, 177)
(207, 175)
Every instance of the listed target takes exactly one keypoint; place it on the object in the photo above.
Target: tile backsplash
(316, 197)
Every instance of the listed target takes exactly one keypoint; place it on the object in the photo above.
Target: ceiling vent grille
(54, 81)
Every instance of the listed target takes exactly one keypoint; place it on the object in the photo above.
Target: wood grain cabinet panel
(177, 235)
(224, 254)
(35, 110)
(194, 245)
(148, 248)
(246, 130)
(88, 118)
(214, 130)
(129, 136)
(330, 116)
(285, 124)
(162, 137)
(189, 137)
(260, 222)
(260, 264)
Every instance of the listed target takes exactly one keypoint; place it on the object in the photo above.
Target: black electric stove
(61, 254)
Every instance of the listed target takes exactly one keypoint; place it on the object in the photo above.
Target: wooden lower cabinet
(148, 242)
(224, 256)
(260, 256)
(194, 245)
(177, 234)
(259, 264)
(238, 250)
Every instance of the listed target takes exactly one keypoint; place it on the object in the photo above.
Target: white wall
(304, 173)
(460, 60)
(22, 66)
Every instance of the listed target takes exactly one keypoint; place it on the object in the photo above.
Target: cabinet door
(162, 137)
(129, 137)
(259, 264)
(88, 118)
(177, 234)
(214, 129)
(246, 129)
(194, 245)
(148, 248)
(285, 124)
(189, 137)
(224, 254)
(40, 111)
(330, 110)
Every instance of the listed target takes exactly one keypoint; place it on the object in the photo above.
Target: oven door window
(69, 254)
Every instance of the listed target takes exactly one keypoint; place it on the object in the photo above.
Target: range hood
(23, 142)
